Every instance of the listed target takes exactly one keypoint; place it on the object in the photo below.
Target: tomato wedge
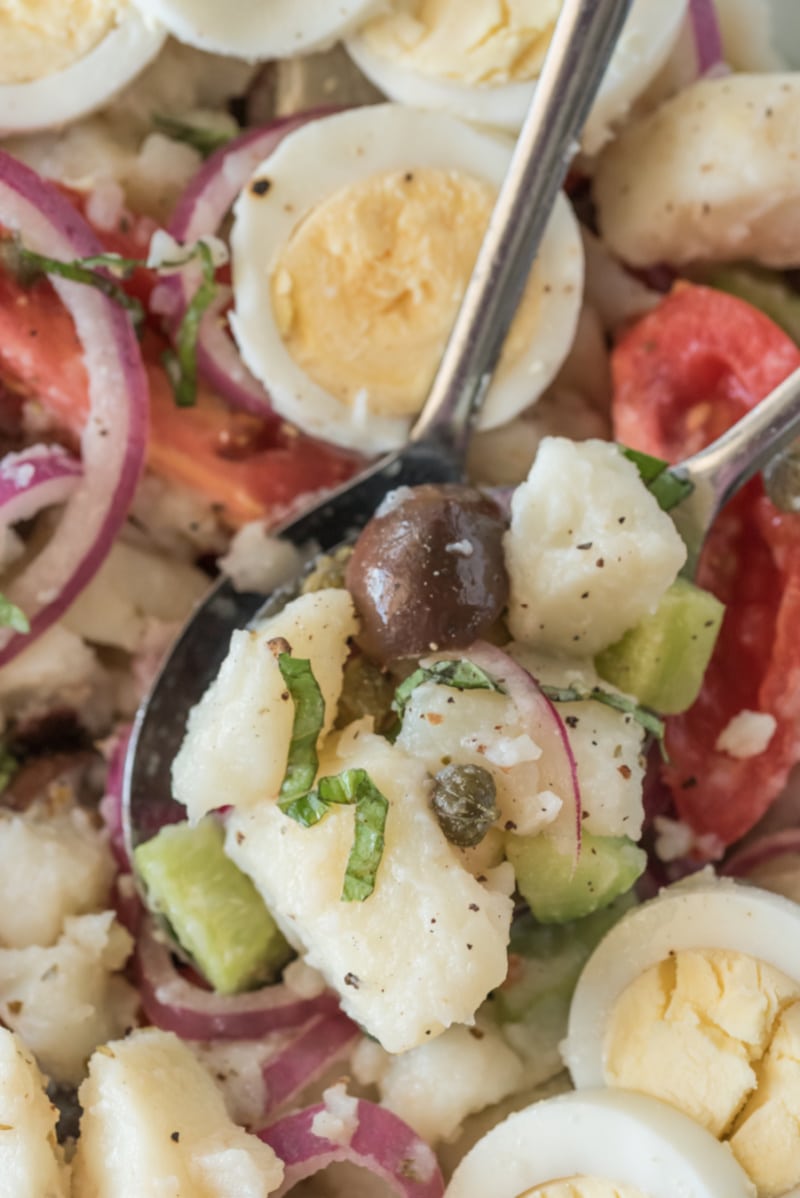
(682, 375)
(249, 467)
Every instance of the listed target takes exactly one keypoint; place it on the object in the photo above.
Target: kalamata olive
(464, 802)
(428, 572)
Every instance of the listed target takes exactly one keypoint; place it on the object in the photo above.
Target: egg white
(85, 84)
(607, 1135)
(326, 156)
(702, 913)
(257, 29)
(647, 39)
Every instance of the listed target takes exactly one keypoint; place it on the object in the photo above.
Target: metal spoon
(582, 44)
(722, 468)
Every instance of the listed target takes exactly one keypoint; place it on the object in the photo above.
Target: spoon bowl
(582, 44)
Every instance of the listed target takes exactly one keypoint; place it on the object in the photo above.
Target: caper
(464, 799)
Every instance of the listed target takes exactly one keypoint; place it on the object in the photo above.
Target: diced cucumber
(547, 960)
(557, 889)
(214, 910)
(765, 289)
(663, 659)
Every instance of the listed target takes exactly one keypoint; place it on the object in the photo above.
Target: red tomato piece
(682, 375)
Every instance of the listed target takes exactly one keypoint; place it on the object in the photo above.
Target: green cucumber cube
(214, 910)
(663, 659)
(557, 889)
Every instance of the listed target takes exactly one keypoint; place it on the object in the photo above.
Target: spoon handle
(584, 38)
(719, 470)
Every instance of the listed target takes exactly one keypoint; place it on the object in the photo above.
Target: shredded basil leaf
(205, 141)
(462, 675)
(181, 362)
(8, 767)
(27, 266)
(570, 694)
(356, 788)
(309, 716)
(12, 616)
(667, 487)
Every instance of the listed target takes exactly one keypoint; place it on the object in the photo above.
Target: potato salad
(482, 871)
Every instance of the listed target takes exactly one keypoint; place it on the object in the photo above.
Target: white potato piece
(442, 725)
(607, 745)
(63, 860)
(237, 742)
(393, 957)
(154, 1123)
(31, 1163)
(712, 175)
(589, 552)
(57, 670)
(436, 1086)
(65, 1000)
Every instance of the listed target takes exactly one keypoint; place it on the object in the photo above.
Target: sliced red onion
(114, 439)
(545, 726)
(34, 479)
(306, 1058)
(380, 1142)
(201, 211)
(763, 851)
(706, 34)
(111, 803)
(174, 1004)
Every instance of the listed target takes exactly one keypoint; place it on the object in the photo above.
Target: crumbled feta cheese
(746, 734)
(339, 1119)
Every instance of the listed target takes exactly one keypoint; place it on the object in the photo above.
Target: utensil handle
(582, 44)
(730, 461)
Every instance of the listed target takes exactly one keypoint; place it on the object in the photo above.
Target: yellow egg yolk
(717, 1034)
(582, 1187)
(41, 37)
(486, 42)
(367, 288)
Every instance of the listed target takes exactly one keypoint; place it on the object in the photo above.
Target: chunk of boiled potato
(237, 742)
(154, 1123)
(31, 1164)
(589, 551)
(67, 999)
(436, 1086)
(62, 859)
(427, 946)
(607, 745)
(442, 725)
(711, 176)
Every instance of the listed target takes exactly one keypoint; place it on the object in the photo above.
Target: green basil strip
(462, 675)
(667, 488)
(205, 141)
(26, 265)
(356, 788)
(309, 716)
(8, 767)
(181, 362)
(12, 616)
(570, 694)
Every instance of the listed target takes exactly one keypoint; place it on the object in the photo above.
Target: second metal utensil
(582, 44)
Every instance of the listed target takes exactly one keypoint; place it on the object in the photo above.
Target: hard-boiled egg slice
(59, 61)
(694, 998)
(598, 1144)
(255, 29)
(352, 247)
(461, 56)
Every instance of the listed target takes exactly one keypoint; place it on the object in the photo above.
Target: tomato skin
(682, 375)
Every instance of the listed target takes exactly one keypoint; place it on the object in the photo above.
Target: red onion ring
(706, 34)
(36, 478)
(114, 439)
(201, 211)
(545, 725)
(306, 1058)
(111, 803)
(761, 851)
(175, 1005)
(381, 1143)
